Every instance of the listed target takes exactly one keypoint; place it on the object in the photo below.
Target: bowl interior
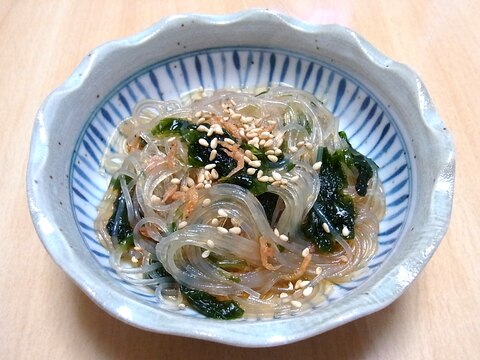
(367, 121)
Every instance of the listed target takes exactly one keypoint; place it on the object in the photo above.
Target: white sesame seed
(184, 188)
(215, 222)
(222, 213)
(190, 182)
(290, 286)
(318, 270)
(271, 179)
(262, 142)
(284, 181)
(300, 143)
(307, 291)
(278, 152)
(210, 166)
(198, 114)
(317, 166)
(235, 230)
(206, 202)
(272, 158)
(249, 154)
(154, 199)
(134, 259)
(181, 306)
(246, 159)
(222, 230)
(269, 152)
(235, 222)
(171, 139)
(296, 303)
(295, 178)
(242, 132)
(305, 252)
(202, 128)
(201, 177)
(255, 163)
(207, 176)
(213, 155)
(229, 141)
(293, 149)
(343, 258)
(345, 231)
(276, 175)
(251, 171)
(263, 178)
(276, 232)
(259, 174)
(276, 183)
(211, 131)
(210, 244)
(304, 284)
(206, 254)
(213, 143)
(298, 284)
(203, 142)
(283, 295)
(268, 143)
(214, 174)
(236, 116)
(208, 186)
(283, 237)
(199, 186)
(326, 228)
(175, 181)
(219, 131)
(182, 224)
(309, 145)
(233, 102)
(200, 121)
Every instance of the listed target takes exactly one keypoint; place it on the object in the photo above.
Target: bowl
(382, 106)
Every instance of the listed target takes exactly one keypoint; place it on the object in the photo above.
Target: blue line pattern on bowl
(366, 121)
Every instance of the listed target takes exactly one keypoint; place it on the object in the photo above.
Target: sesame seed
(251, 171)
(182, 224)
(207, 175)
(242, 132)
(233, 102)
(251, 134)
(236, 116)
(235, 230)
(219, 131)
(206, 254)
(175, 181)
(199, 186)
(278, 152)
(214, 174)
(343, 258)
(222, 230)
(213, 143)
(181, 306)
(249, 154)
(206, 202)
(200, 121)
(213, 155)
(293, 149)
(202, 128)
(155, 199)
(190, 182)
(318, 270)
(283, 237)
(307, 291)
(268, 143)
(222, 213)
(231, 112)
(272, 122)
(210, 166)
(215, 222)
(247, 159)
(304, 284)
(262, 142)
(208, 186)
(211, 131)
(235, 222)
(345, 231)
(326, 228)
(283, 295)
(265, 134)
(171, 139)
(203, 142)
(263, 178)
(317, 166)
(134, 259)
(296, 303)
(309, 145)
(270, 179)
(276, 232)
(276, 175)
(210, 244)
(298, 284)
(305, 252)
(276, 183)
(284, 181)
(300, 143)
(255, 163)
(229, 141)
(272, 158)
(198, 114)
(290, 286)
(259, 174)
(201, 177)
(269, 152)
(295, 178)
(184, 188)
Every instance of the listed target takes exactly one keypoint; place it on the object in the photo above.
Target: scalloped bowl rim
(249, 334)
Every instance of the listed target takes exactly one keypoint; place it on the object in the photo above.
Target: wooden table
(43, 315)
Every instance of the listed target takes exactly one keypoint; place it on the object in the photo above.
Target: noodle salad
(238, 205)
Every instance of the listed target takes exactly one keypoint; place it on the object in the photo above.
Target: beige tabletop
(43, 315)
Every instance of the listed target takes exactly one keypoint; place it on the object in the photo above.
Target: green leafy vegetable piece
(269, 203)
(249, 182)
(210, 306)
(173, 127)
(118, 225)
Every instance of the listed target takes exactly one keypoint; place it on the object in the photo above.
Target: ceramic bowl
(382, 105)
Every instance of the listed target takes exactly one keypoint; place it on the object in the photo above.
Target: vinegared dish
(238, 205)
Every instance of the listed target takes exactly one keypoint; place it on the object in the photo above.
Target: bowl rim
(239, 333)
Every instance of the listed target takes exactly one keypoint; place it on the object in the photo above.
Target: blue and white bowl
(382, 105)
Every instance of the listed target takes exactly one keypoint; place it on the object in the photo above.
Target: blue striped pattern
(368, 123)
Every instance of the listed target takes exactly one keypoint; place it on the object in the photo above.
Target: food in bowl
(238, 204)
